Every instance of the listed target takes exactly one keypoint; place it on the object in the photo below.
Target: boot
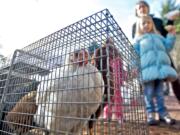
(151, 119)
(168, 120)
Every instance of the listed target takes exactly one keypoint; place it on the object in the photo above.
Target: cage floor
(105, 128)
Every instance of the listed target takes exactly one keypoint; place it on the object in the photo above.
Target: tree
(177, 24)
(2, 60)
(167, 6)
(170, 5)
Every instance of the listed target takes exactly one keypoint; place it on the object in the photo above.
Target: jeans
(154, 97)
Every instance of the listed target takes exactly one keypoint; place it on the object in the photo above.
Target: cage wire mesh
(78, 80)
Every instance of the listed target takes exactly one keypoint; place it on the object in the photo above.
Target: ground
(174, 110)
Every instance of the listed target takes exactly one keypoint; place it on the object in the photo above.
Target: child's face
(146, 26)
(80, 57)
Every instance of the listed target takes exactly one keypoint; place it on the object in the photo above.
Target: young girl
(118, 75)
(155, 64)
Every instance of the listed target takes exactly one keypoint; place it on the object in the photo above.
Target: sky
(25, 21)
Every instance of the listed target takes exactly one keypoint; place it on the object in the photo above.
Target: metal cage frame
(42, 60)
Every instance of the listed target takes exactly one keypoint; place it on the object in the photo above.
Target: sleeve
(136, 47)
(133, 30)
(133, 61)
(160, 25)
(170, 22)
(169, 42)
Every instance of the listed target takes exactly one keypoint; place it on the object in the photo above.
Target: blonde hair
(139, 31)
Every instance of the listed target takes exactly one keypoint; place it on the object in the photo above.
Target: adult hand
(173, 15)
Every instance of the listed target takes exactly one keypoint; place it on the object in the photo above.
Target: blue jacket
(155, 62)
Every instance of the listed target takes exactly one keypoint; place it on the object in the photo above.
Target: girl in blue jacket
(155, 64)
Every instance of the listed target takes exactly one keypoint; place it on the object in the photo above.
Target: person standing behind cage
(114, 108)
(156, 67)
(142, 8)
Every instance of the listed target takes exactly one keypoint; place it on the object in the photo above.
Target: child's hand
(171, 29)
(134, 73)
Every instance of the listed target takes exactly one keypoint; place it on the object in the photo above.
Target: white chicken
(71, 99)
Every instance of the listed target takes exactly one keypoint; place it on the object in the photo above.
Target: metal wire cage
(81, 80)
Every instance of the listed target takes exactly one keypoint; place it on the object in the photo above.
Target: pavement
(173, 107)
